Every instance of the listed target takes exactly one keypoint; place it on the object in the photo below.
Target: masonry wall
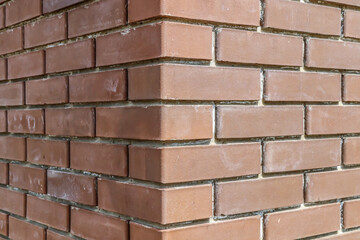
(179, 119)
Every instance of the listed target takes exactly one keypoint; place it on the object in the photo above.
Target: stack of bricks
(179, 119)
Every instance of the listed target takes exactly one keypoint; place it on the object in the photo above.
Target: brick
(47, 91)
(12, 148)
(169, 40)
(258, 48)
(29, 178)
(332, 120)
(90, 225)
(332, 185)
(4, 173)
(246, 122)
(243, 12)
(351, 88)
(351, 218)
(193, 163)
(302, 17)
(13, 202)
(3, 122)
(53, 5)
(2, 17)
(296, 224)
(167, 204)
(284, 156)
(26, 121)
(45, 31)
(78, 55)
(56, 236)
(91, 156)
(11, 41)
(3, 69)
(155, 122)
(48, 152)
(238, 229)
(261, 194)
(180, 82)
(350, 27)
(353, 235)
(4, 223)
(53, 214)
(21, 10)
(345, 2)
(85, 19)
(323, 53)
(98, 87)
(19, 229)
(302, 87)
(72, 187)
(70, 122)
(351, 155)
(12, 94)
(26, 65)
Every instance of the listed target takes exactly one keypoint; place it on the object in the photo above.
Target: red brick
(53, 214)
(167, 205)
(351, 88)
(2, 17)
(302, 87)
(350, 212)
(56, 236)
(155, 122)
(351, 18)
(3, 70)
(21, 10)
(238, 229)
(78, 55)
(332, 185)
(72, 187)
(12, 148)
(29, 178)
(246, 122)
(45, 31)
(4, 173)
(261, 194)
(169, 39)
(97, 16)
(353, 235)
(4, 223)
(351, 154)
(12, 94)
(302, 17)
(259, 48)
(180, 82)
(47, 91)
(295, 224)
(26, 65)
(284, 156)
(53, 5)
(26, 121)
(20, 229)
(90, 225)
(13, 202)
(98, 87)
(11, 40)
(70, 122)
(345, 2)
(192, 163)
(243, 12)
(48, 152)
(3, 121)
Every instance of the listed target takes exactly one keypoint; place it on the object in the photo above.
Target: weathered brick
(12, 201)
(11, 40)
(53, 5)
(20, 229)
(4, 223)
(29, 178)
(26, 121)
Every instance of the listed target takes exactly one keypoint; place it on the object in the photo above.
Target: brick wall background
(179, 119)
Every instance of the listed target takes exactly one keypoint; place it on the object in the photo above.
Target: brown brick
(29, 178)
(351, 88)
(48, 152)
(261, 194)
(169, 39)
(26, 65)
(21, 10)
(78, 55)
(351, 216)
(238, 229)
(302, 87)
(259, 48)
(243, 12)
(246, 122)
(296, 224)
(284, 156)
(2, 17)
(351, 154)
(332, 185)
(12, 148)
(70, 122)
(345, 2)
(3, 121)
(4, 173)
(90, 225)
(53, 5)
(351, 18)
(167, 204)
(45, 31)
(12, 94)
(3, 68)
(4, 223)
(47, 91)
(192, 163)
(302, 17)
(11, 201)
(19, 229)
(155, 122)
(98, 87)
(11, 41)
(72, 187)
(53, 214)
(353, 235)
(180, 82)
(56, 236)
(26, 121)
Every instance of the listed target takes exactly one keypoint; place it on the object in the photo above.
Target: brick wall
(179, 119)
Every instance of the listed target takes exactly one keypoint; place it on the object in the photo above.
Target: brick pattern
(179, 119)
